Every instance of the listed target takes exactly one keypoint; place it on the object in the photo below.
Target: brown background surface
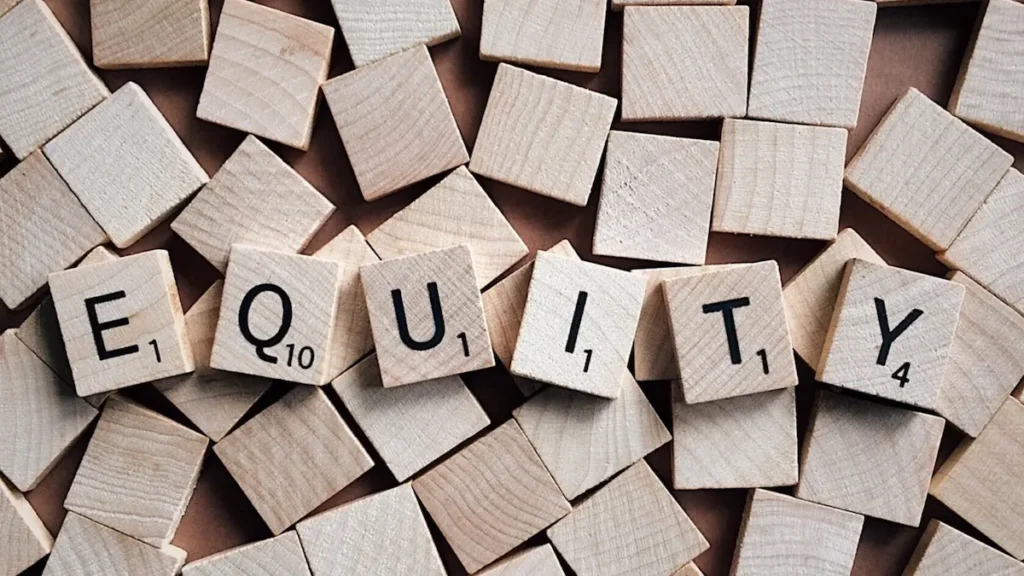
(913, 46)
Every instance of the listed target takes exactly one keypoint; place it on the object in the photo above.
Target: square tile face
(138, 473)
(376, 29)
(548, 33)
(293, 456)
(121, 322)
(265, 73)
(730, 332)
(945, 550)
(779, 180)
(395, 122)
(656, 198)
(276, 316)
(110, 552)
(869, 458)
(600, 535)
(255, 199)
(151, 34)
(891, 333)
(126, 164)
(26, 540)
(43, 228)
(36, 55)
(427, 317)
(926, 169)
(578, 325)
(809, 61)
(542, 135)
(536, 561)
(783, 535)
(280, 555)
(684, 63)
(491, 497)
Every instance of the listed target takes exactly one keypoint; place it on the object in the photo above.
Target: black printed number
(465, 343)
(902, 374)
(305, 357)
(586, 363)
(156, 350)
(764, 359)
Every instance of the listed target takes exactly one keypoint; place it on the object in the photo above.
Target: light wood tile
(24, 540)
(536, 561)
(150, 34)
(690, 569)
(619, 5)
(945, 550)
(278, 556)
(568, 35)
(376, 29)
(85, 548)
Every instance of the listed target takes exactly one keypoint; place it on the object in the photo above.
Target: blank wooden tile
(945, 550)
(491, 497)
(24, 540)
(126, 164)
(810, 59)
(656, 198)
(43, 228)
(293, 456)
(536, 561)
(779, 180)
(988, 90)
(455, 211)
(255, 199)
(379, 535)
(265, 73)
(150, 34)
(926, 169)
(578, 325)
(376, 29)
(980, 481)
(868, 458)
(85, 548)
(395, 122)
(138, 472)
(548, 33)
(543, 135)
(137, 319)
(632, 525)
(742, 442)
(729, 331)
(212, 399)
(37, 53)
(584, 440)
(427, 317)
(783, 535)
(275, 556)
(891, 333)
(810, 295)
(684, 62)
(403, 423)
(619, 5)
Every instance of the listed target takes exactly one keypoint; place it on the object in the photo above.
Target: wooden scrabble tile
(603, 535)
(280, 555)
(656, 198)
(868, 458)
(293, 456)
(379, 535)
(402, 423)
(427, 316)
(543, 135)
(810, 59)
(926, 169)
(255, 199)
(779, 180)
(213, 400)
(151, 34)
(619, 5)
(126, 164)
(991, 247)
(945, 550)
(979, 481)
(491, 496)
(811, 294)
(742, 442)
(690, 569)
(85, 548)
(138, 472)
(988, 91)
(395, 122)
(24, 540)
(684, 62)
(36, 53)
(121, 322)
(277, 315)
(891, 333)
(548, 33)
(536, 561)
(578, 325)
(43, 228)
(265, 73)
(375, 29)
(783, 535)
(584, 440)
(729, 331)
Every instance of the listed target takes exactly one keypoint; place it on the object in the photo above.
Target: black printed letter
(403, 323)
(726, 307)
(286, 320)
(890, 336)
(98, 327)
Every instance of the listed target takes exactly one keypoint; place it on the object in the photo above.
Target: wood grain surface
(273, 557)
(375, 29)
(945, 550)
(85, 548)
(150, 34)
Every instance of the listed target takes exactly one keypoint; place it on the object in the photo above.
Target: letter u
(403, 323)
